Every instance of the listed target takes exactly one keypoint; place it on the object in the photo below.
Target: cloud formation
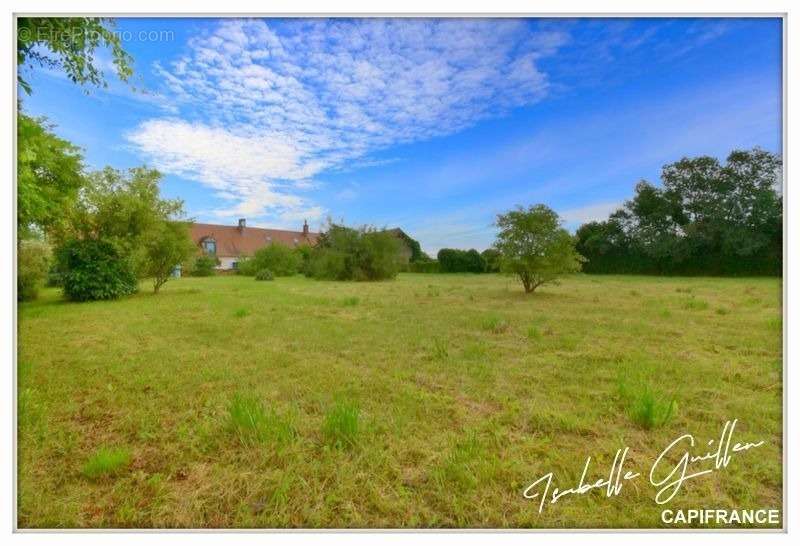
(265, 106)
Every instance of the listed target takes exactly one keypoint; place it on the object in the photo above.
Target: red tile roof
(233, 241)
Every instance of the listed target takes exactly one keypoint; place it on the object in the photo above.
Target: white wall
(226, 262)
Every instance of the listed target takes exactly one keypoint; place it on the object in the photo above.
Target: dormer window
(209, 245)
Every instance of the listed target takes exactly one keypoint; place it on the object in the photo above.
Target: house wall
(226, 262)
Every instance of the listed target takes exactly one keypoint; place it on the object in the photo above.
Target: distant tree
(364, 254)
(453, 260)
(707, 218)
(491, 257)
(280, 260)
(534, 246)
(49, 176)
(167, 246)
(70, 44)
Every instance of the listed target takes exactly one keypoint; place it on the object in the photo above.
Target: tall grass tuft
(495, 324)
(439, 349)
(340, 428)
(645, 407)
(252, 422)
(106, 461)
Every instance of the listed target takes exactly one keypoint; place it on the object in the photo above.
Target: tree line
(707, 218)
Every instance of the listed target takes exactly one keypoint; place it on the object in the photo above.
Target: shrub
(281, 260)
(363, 254)
(204, 266)
(93, 269)
(340, 427)
(265, 275)
(253, 423)
(106, 462)
(452, 260)
(430, 266)
(33, 261)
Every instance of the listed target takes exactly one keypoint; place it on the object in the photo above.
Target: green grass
(340, 428)
(432, 401)
(106, 461)
(252, 422)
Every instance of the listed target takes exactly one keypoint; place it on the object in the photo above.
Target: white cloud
(589, 213)
(264, 105)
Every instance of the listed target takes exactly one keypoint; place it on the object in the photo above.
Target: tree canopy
(707, 218)
(49, 175)
(70, 44)
(534, 247)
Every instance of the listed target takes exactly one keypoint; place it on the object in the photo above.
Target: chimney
(242, 224)
(305, 228)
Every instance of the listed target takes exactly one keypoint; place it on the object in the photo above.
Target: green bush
(265, 275)
(430, 266)
(93, 269)
(452, 260)
(204, 266)
(363, 254)
(33, 262)
(281, 260)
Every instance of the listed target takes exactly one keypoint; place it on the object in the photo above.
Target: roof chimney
(305, 228)
(242, 224)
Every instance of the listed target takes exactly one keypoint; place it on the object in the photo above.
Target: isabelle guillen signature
(666, 476)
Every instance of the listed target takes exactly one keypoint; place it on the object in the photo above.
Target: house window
(210, 246)
(235, 265)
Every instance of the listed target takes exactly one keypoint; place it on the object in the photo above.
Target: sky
(433, 126)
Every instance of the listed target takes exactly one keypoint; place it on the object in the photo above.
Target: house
(406, 251)
(230, 243)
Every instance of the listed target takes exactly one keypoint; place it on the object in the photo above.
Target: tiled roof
(233, 241)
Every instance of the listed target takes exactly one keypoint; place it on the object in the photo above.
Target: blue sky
(434, 126)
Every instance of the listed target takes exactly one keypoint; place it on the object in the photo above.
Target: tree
(491, 257)
(363, 254)
(281, 260)
(534, 246)
(125, 208)
(49, 176)
(706, 218)
(453, 260)
(167, 246)
(33, 262)
(70, 43)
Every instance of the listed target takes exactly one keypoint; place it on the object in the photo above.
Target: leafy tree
(49, 176)
(707, 218)
(93, 269)
(70, 44)
(166, 247)
(125, 208)
(491, 257)
(453, 260)
(33, 262)
(280, 259)
(364, 254)
(534, 246)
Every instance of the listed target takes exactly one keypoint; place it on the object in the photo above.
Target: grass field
(428, 401)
